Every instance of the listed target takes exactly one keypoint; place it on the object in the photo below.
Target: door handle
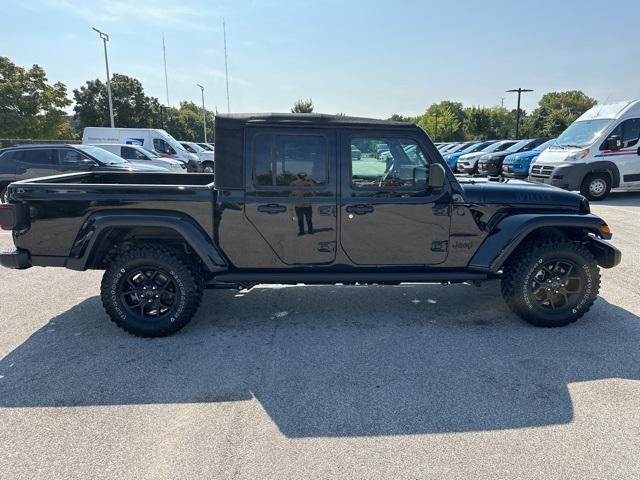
(359, 209)
(272, 208)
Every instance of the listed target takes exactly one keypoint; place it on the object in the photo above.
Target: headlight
(578, 155)
(533, 160)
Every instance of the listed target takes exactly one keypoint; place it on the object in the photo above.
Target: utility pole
(166, 78)
(520, 92)
(105, 39)
(204, 114)
(226, 67)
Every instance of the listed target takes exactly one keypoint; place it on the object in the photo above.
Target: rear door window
(40, 156)
(290, 160)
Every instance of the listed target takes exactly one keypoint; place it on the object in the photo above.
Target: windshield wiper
(566, 146)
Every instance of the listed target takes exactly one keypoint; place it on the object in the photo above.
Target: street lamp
(105, 39)
(204, 114)
(520, 92)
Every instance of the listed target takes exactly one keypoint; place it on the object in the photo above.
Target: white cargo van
(153, 139)
(597, 152)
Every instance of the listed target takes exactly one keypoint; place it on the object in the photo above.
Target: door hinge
(440, 246)
(441, 209)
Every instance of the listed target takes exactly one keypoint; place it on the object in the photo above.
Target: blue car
(452, 158)
(517, 165)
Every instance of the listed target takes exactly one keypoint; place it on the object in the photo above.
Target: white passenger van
(151, 138)
(597, 152)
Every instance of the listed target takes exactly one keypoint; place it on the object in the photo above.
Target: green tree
(556, 111)
(132, 108)
(185, 122)
(477, 124)
(303, 106)
(396, 117)
(444, 121)
(31, 107)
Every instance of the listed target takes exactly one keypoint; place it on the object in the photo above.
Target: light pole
(436, 135)
(204, 114)
(105, 39)
(520, 92)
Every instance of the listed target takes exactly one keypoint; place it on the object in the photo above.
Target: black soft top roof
(231, 120)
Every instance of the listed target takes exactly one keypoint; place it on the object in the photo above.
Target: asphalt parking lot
(411, 381)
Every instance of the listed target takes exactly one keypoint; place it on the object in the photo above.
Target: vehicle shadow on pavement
(620, 199)
(335, 361)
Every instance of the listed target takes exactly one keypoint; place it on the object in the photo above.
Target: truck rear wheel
(596, 186)
(150, 292)
(551, 284)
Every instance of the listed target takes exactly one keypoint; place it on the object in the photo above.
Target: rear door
(290, 195)
(37, 162)
(388, 215)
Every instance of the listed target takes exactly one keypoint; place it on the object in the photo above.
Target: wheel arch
(103, 232)
(514, 230)
(604, 166)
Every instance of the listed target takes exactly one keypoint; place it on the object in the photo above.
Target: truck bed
(55, 208)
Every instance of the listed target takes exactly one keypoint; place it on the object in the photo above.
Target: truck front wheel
(551, 284)
(150, 292)
(596, 186)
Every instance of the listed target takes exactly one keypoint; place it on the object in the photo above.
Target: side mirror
(614, 142)
(437, 176)
(88, 163)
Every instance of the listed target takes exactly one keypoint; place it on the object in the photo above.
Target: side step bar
(359, 277)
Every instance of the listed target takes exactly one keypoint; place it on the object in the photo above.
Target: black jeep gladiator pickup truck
(291, 204)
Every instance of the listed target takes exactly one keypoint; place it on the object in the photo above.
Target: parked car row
(196, 157)
(106, 149)
(598, 152)
(487, 157)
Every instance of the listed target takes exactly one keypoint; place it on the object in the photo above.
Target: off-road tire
(519, 272)
(187, 285)
(601, 180)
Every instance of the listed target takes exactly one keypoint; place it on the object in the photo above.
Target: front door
(388, 215)
(628, 157)
(290, 195)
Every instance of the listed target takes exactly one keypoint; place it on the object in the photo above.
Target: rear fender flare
(100, 223)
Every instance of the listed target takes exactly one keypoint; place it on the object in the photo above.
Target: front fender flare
(99, 223)
(510, 232)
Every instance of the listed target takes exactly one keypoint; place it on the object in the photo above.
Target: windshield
(196, 147)
(583, 133)
(103, 156)
(545, 145)
(518, 146)
(458, 148)
(174, 143)
(149, 153)
(476, 147)
(498, 146)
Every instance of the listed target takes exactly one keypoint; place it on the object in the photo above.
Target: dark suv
(30, 161)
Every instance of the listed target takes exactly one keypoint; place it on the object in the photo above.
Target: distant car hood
(132, 167)
(518, 192)
(523, 155)
(472, 156)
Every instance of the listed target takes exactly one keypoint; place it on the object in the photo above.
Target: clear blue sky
(359, 57)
